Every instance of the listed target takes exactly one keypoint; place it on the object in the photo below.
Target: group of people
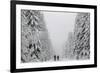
(56, 58)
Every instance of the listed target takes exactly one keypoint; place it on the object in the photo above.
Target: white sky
(59, 24)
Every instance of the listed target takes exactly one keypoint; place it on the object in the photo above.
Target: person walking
(54, 57)
(57, 57)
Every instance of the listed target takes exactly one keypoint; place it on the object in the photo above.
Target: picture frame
(19, 10)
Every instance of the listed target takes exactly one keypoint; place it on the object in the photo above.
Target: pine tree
(82, 36)
(78, 43)
(35, 42)
(70, 45)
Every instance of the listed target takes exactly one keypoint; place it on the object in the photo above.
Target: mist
(59, 24)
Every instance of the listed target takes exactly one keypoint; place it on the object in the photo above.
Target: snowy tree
(78, 43)
(35, 41)
(82, 36)
(69, 46)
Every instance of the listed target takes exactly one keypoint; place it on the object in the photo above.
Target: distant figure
(54, 57)
(57, 57)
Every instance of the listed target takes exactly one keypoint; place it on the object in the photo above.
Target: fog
(59, 24)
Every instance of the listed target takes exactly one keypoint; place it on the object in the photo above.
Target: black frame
(13, 35)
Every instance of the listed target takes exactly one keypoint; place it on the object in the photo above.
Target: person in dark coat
(54, 57)
(57, 57)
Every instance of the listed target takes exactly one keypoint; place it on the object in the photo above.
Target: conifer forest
(37, 44)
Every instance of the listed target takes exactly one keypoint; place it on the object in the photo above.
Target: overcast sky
(59, 24)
